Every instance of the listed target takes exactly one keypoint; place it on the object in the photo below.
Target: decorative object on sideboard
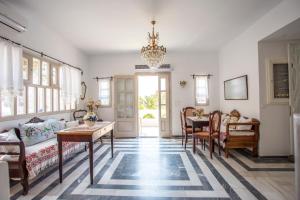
(153, 54)
(236, 88)
(91, 117)
(83, 90)
(199, 112)
(182, 83)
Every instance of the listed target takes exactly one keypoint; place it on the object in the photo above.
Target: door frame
(170, 97)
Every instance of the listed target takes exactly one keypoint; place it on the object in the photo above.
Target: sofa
(32, 148)
(238, 131)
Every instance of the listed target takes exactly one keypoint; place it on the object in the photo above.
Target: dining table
(197, 122)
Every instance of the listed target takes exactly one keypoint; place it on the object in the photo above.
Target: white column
(4, 183)
(297, 153)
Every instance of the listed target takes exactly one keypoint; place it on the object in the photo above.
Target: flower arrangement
(199, 112)
(91, 117)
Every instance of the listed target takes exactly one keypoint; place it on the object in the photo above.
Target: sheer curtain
(70, 82)
(201, 87)
(11, 79)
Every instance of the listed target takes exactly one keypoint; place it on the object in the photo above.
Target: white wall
(240, 56)
(275, 122)
(184, 64)
(41, 38)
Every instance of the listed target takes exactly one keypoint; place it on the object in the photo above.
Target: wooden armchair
(79, 114)
(212, 133)
(237, 137)
(245, 138)
(186, 129)
(17, 168)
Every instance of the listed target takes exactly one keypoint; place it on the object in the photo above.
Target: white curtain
(201, 87)
(70, 82)
(11, 78)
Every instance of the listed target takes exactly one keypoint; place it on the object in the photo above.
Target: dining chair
(212, 133)
(79, 114)
(185, 127)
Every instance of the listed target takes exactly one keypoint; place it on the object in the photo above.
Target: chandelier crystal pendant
(152, 53)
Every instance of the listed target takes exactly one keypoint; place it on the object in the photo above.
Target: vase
(90, 119)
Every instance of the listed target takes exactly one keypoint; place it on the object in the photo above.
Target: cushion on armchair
(244, 127)
(241, 133)
(9, 136)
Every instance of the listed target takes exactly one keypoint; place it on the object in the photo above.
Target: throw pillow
(9, 136)
(56, 125)
(233, 120)
(72, 124)
(34, 133)
(244, 127)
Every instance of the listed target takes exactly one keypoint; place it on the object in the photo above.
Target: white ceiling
(288, 32)
(99, 26)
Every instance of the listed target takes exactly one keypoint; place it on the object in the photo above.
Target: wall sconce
(182, 83)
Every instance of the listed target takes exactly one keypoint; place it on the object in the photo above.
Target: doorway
(148, 105)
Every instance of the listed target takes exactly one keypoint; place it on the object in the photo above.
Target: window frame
(270, 81)
(29, 83)
(110, 92)
(195, 91)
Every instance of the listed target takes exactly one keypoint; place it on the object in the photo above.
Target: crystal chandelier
(152, 53)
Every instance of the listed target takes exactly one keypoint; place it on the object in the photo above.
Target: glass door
(125, 106)
(164, 104)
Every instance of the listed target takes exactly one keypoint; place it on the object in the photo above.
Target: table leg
(194, 138)
(91, 156)
(60, 159)
(112, 142)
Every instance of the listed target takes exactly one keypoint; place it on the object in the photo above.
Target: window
(42, 91)
(31, 100)
(36, 71)
(105, 92)
(54, 75)
(41, 100)
(55, 100)
(201, 90)
(48, 100)
(25, 68)
(7, 106)
(21, 103)
(45, 73)
(278, 81)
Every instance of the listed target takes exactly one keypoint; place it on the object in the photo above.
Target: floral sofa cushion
(56, 125)
(45, 154)
(33, 133)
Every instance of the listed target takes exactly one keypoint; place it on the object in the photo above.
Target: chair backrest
(214, 122)
(187, 112)
(182, 121)
(79, 114)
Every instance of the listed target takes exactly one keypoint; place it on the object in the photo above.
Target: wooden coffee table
(84, 133)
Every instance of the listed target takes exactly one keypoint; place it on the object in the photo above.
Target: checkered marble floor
(153, 168)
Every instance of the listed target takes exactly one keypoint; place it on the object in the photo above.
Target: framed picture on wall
(236, 88)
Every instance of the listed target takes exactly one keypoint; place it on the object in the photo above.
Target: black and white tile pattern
(150, 168)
